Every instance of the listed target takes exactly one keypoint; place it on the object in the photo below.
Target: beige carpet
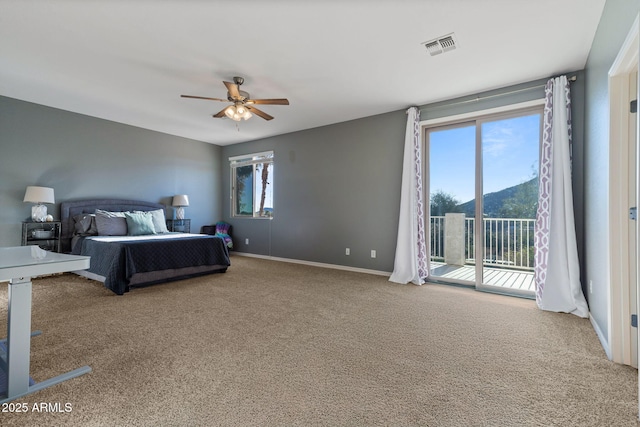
(272, 343)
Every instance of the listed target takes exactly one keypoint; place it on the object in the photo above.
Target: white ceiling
(335, 60)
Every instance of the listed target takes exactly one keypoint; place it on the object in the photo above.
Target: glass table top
(20, 261)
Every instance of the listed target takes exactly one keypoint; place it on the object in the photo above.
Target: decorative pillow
(110, 213)
(111, 223)
(85, 225)
(159, 221)
(139, 223)
(222, 230)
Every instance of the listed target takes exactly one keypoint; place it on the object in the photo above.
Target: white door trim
(619, 292)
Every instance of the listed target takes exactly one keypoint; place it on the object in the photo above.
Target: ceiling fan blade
(204, 97)
(276, 101)
(220, 114)
(233, 89)
(260, 113)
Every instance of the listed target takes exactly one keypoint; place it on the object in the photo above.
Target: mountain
(494, 203)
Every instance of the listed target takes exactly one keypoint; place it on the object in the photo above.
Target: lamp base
(180, 213)
(39, 213)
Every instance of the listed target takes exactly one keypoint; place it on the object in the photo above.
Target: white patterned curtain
(411, 262)
(557, 270)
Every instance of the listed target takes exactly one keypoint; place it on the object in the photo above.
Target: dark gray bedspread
(119, 261)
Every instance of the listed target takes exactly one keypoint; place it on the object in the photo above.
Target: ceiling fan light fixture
(237, 112)
(243, 106)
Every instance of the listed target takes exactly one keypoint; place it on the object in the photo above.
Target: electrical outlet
(246, 241)
(373, 253)
(590, 286)
(347, 251)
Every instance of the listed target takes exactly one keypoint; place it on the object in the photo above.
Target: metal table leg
(18, 345)
(19, 336)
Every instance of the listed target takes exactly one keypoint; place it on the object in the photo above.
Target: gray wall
(338, 186)
(84, 157)
(615, 23)
(334, 187)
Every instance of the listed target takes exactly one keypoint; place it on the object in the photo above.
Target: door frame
(620, 311)
(478, 118)
(480, 229)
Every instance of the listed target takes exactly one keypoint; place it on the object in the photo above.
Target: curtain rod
(480, 98)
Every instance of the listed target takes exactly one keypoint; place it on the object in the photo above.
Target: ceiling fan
(242, 106)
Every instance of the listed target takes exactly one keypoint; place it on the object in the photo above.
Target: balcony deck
(501, 277)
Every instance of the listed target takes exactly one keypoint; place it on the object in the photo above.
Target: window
(252, 185)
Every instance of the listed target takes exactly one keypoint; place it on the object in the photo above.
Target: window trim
(251, 159)
(480, 114)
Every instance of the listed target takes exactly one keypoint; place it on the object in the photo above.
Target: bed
(120, 261)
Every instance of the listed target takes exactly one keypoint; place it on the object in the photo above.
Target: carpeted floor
(271, 343)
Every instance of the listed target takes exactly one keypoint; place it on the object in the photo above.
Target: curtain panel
(411, 260)
(557, 270)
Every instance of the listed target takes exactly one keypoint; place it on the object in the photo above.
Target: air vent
(441, 44)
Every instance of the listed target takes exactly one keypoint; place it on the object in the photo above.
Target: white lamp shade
(39, 195)
(180, 200)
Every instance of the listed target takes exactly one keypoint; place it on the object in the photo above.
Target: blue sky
(509, 152)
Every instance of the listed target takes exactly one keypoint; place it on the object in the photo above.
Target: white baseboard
(315, 264)
(603, 341)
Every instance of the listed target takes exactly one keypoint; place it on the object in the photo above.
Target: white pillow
(159, 221)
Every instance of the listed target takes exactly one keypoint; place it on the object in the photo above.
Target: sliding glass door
(510, 153)
(483, 193)
(452, 178)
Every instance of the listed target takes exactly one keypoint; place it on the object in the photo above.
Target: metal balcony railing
(507, 242)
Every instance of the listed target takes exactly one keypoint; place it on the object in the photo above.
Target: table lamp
(180, 201)
(39, 196)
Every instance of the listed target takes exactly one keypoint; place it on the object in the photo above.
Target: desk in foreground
(18, 265)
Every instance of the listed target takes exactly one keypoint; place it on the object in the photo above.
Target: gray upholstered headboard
(70, 209)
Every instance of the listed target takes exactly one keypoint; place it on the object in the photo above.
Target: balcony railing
(507, 242)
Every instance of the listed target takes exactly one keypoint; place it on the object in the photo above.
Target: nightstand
(179, 225)
(44, 234)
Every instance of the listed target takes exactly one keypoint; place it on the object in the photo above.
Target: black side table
(179, 225)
